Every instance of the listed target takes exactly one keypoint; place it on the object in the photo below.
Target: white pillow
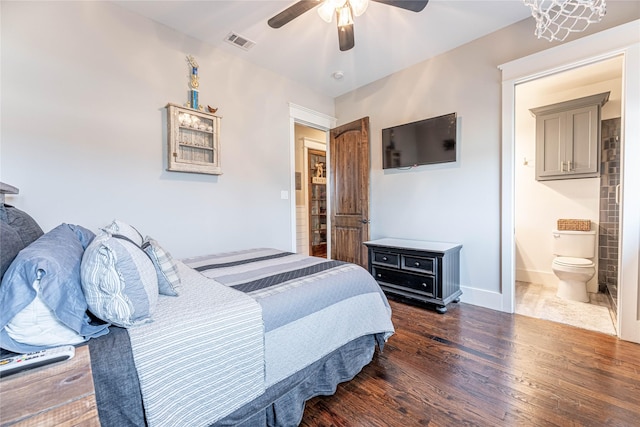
(123, 229)
(119, 281)
(37, 324)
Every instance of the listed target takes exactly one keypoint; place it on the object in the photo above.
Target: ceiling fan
(344, 10)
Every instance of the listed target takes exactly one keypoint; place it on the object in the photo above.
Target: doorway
(315, 127)
(539, 204)
(347, 160)
(311, 190)
(621, 40)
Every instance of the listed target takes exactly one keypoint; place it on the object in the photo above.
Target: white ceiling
(387, 39)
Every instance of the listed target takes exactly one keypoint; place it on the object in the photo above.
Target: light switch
(284, 195)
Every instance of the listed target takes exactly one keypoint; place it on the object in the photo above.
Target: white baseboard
(494, 300)
(482, 298)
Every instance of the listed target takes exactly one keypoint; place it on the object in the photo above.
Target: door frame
(622, 40)
(316, 120)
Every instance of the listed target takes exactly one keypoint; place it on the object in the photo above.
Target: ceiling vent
(239, 41)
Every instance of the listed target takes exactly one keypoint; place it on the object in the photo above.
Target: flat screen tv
(423, 142)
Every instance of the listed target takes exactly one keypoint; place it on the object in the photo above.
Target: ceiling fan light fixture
(358, 7)
(344, 16)
(326, 11)
(345, 10)
(336, 4)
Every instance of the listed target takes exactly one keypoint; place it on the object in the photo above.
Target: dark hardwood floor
(478, 367)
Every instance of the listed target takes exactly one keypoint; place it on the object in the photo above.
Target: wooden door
(349, 192)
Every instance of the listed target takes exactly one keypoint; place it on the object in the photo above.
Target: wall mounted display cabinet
(193, 141)
(568, 138)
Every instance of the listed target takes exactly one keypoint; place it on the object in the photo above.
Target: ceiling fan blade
(412, 5)
(292, 12)
(345, 37)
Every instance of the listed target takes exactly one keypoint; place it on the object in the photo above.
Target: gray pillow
(10, 246)
(166, 268)
(18, 231)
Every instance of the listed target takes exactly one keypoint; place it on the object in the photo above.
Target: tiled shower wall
(609, 208)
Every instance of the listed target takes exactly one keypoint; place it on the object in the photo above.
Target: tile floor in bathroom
(540, 301)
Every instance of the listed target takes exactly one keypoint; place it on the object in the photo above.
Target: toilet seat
(573, 262)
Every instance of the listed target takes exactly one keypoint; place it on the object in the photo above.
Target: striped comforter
(310, 306)
(243, 322)
(202, 356)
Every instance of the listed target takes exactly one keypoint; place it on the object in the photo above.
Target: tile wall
(609, 208)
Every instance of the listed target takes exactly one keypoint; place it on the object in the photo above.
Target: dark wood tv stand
(428, 272)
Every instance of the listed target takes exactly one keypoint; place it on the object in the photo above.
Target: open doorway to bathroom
(539, 204)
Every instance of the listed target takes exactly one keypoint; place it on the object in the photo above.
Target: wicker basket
(574, 224)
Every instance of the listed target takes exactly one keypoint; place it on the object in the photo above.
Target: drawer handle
(379, 274)
(384, 258)
(424, 285)
(417, 264)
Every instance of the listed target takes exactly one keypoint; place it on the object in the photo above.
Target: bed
(240, 338)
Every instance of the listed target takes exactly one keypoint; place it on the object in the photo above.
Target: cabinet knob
(379, 275)
(424, 285)
(384, 258)
(417, 264)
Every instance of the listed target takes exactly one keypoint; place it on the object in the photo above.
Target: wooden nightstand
(60, 394)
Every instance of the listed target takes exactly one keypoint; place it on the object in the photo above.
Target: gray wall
(84, 85)
(460, 202)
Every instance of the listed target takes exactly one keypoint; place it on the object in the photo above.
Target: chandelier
(555, 19)
(344, 10)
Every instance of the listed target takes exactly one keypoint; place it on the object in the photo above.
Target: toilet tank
(576, 244)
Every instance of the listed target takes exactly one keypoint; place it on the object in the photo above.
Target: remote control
(22, 362)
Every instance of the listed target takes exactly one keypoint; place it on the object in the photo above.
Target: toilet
(572, 264)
